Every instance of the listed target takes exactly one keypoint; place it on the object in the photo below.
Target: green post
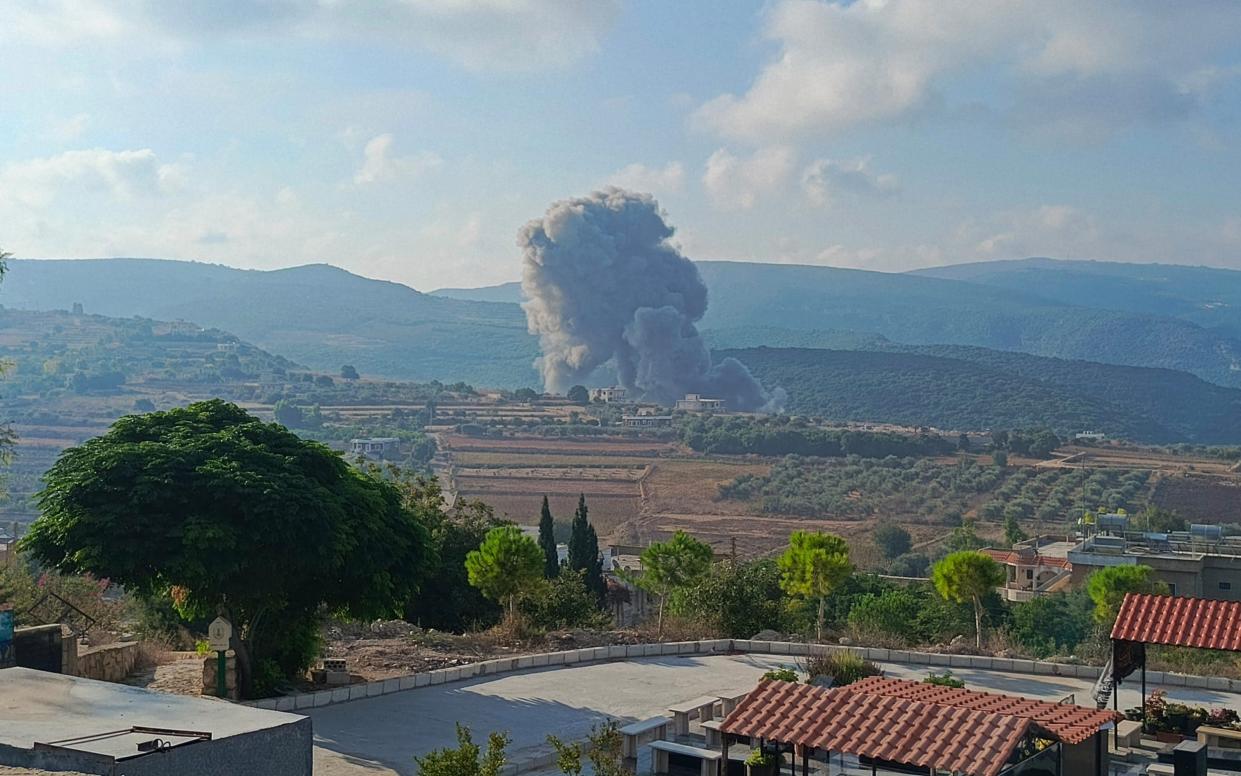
(221, 689)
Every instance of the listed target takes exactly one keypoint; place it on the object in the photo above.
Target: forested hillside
(318, 315)
(973, 388)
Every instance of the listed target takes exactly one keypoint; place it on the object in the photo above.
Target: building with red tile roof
(912, 723)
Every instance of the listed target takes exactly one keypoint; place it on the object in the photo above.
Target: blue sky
(410, 139)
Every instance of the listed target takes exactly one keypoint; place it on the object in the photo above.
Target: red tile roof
(947, 738)
(1180, 621)
(1013, 558)
(1064, 722)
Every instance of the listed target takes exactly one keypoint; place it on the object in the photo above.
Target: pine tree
(584, 551)
(547, 541)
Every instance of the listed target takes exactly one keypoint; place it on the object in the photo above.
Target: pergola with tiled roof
(1062, 721)
(893, 720)
(1179, 621)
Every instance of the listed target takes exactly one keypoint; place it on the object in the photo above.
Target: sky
(411, 139)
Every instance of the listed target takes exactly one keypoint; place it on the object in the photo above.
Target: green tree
(965, 577)
(892, 613)
(1012, 530)
(467, 759)
(197, 502)
(525, 394)
(349, 372)
(578, 395)
(999, 458)
(1155, 518)
(584, 551)
(735, 598)
(812, 566)
(564, 602)
(964, 537)
(963, 443)
(1051, 624)
(1107, 587)
(892, 539)
(507, 564)
(602, 747)
(547, 542)
(672, 565)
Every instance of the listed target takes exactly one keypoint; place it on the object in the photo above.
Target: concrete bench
(711, 728)
(729, 702)
(635, 734)
(1128, 733)
(701, 708)
(709, 761)
(1220, 738)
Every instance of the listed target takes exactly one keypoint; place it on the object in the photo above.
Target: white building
(611, 395)
(375, 447)
(696, 403)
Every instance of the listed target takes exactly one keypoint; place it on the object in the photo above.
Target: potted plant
(760, 763)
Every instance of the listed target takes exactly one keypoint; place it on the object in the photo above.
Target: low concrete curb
(790, 649)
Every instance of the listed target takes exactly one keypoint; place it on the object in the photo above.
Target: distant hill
(962, 388)
(505, 292)
(319, 315)
(324, 317)
(1207, 296)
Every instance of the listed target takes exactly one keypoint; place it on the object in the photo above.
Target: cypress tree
(584, 552)
(547, 541)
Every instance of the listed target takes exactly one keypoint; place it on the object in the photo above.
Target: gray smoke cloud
(603, 284)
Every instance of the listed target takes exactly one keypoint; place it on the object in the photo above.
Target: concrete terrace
(381, 735)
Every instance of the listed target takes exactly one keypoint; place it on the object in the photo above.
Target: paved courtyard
(382, 735)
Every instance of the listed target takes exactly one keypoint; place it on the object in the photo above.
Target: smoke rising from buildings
(603, 284)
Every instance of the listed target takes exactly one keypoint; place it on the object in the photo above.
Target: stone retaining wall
(794, 650)
(109, 663)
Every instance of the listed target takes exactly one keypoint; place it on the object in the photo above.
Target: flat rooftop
(36, 706)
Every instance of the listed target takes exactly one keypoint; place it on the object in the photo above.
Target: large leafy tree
(1107, 588)
(965, 577)
(584, 551)
(672, 565)
(507, 564)
(813, 565)
(738, 599)
(225, 513)
(547, 542)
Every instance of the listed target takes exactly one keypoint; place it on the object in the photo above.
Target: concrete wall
(41, 647)
(286, 750)
(109, 663)
(280, 751)
(353, 692)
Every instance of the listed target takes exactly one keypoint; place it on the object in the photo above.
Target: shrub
(781, 675)
(946, 679)
(563, 602)
(760, 759)
(842, 667)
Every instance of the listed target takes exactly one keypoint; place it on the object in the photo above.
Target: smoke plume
(603, 284)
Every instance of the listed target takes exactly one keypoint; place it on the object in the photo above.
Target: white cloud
(736, 183)
(477, 34)
(840, 64)
(71, 128)
(115, 174)
(669, 179)
(826, 179)
(379, 164)
(1050, 229)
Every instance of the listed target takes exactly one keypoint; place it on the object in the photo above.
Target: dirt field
(544, 445)
(1136, 458)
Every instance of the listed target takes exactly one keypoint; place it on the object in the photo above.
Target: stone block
(452, 674)
(743, 645)
(1177, 680)
(303, 701)
(555, 658)
(340, 695)
(469, 670)
(761, 647)
(374, 688)
(1216, 683)
(779, 647)
(422, 680)
(652, 650)
(799, 648)
(959, 661)
(617, 652)
(600, 653)
(1023, 666)
(268, 703)
(322, 698)
(391, 685)
(286, 703)
(898, 656)
(541, 659)
(357, 691)
(669, 648)
(406, 682)
(877, 654)
(525, 661)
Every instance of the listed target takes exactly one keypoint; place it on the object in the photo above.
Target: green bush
(946, 679)
(781, 675)
(842, 667)
(563, 602)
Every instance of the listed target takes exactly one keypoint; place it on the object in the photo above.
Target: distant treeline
(781, 436)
